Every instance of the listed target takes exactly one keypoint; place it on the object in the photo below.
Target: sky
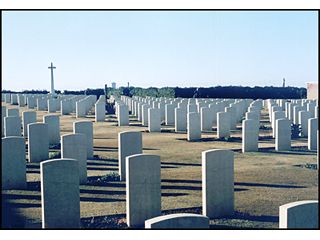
(158, 48)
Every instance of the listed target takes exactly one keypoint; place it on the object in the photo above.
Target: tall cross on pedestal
(52, 86)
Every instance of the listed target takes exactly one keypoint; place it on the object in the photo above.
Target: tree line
(191, 92)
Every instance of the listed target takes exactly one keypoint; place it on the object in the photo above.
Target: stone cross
(52, 86)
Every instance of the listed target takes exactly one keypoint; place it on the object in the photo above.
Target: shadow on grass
(181, 164)
(265, 138)
(213, 139)
(266, 185)
(295, 150)
(33, 165)
(116, 221)
(173, 194)
(102, 163)
(171, 131)
(168, 167)
(34, 186)
(248, 217)
(105, 149)
(25, 205)
(33, 171)
(246, 184)
(104, 159)
(111, 120)
(10, 196)
(136, 125)
(94, 199)
(93, 181)
(181, 181)
(194, 188)
(262, 218)
(119, 220)
(103, 138)
(115, 149)
(107, 192)
(102, 169)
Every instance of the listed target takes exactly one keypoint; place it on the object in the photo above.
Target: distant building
(312, 91)
(113, 85)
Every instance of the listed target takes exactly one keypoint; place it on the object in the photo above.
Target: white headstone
(60, 193)
(193, 126)
(12, 126)
(300, 214)
(66, 107)
(129, 143)
(28, 117)
(169, 114)
(123, 115)
(86, 128)
(312, 133)
(296, 110)
(275, 116)
(206, 114)
(250, 135)
(31, 102)
(217, 183)
(145, 109)
(143, 188)
(12, 112)
(3, 115)
(75, 146)
(180, 119)
(100, 112)
(154, 118)
(52, 105)
(283, 135)
(304, 116)
(223, 124)
(80, 109)
(53, 122)
(178, 221)
(13, 163)
(42, 104)
(38, 142)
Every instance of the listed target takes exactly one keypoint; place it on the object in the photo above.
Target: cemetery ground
(263, 180)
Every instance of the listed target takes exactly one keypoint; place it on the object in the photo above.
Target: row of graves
(26, 140)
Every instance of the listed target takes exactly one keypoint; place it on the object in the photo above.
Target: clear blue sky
(157, 48)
